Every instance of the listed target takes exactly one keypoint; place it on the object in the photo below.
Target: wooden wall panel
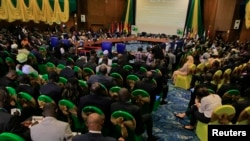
(234, 34)
(101, 13)
(210, 8)
(224, 15)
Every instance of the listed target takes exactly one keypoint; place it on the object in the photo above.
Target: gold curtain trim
(32, 12)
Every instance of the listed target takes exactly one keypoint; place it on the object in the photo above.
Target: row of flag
(189, 33)
(194, 26)
(119, 27)
(127, 20)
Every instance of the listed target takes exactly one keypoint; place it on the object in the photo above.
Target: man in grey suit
(51, 129)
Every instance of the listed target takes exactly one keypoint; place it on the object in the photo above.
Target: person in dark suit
(124, 104)
(9, 79)
(96, 99)
(120, 70)
(91, 63)
(52, 89)
(25, 86)
(102, 77)
(94, 124)
(241, 104)
(8, 122)
(68, 71)
(229, 86)
(147, 85)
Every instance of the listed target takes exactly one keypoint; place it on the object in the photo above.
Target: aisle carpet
(166, 125)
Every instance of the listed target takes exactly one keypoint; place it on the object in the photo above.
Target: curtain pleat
(33, 12)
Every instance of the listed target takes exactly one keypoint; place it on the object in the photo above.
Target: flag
(128, 16)
(117, 27)
(194, 19)
(120, 27)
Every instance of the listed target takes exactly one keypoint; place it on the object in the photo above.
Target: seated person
(205, 103)
(8, 122)
(184, 70)
(241, 104)
(94, 124)
(51, 129)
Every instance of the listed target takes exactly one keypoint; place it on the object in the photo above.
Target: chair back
(226, 76)
(131, 79)
(62, 81)
(125, 124)
(113, 92)
(236, 70)
(231, 96)
(7, 136)
(128, 67)
(25, 99)
(87, 110)
(222, 115)
(42, 99)
(69, 108)
(199, 68)
(244, 117)
(211, 91)
(59, 67)
(217, 77)
(87, 72)
(118, 78)
(141, 98)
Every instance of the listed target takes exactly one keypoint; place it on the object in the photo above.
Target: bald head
(124, 95)
(149, 75)
(95, 122)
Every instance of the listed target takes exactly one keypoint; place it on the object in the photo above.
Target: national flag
(129, 16)
(194, 19)
(117, 27)
(120, 27)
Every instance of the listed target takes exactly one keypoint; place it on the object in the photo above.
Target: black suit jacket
(68, 73)
(4, 120)
(239, 106)
(225, 87)
(148, 86)
(102, 102)
(33, 91)
(92, 137)
(107, 81)
(53, 90)
(5, 81)
(134, 110)
(9, 123)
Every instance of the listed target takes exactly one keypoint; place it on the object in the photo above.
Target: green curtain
(194, 20)
(129, 15)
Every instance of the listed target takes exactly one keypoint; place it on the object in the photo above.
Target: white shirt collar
(91, 131)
